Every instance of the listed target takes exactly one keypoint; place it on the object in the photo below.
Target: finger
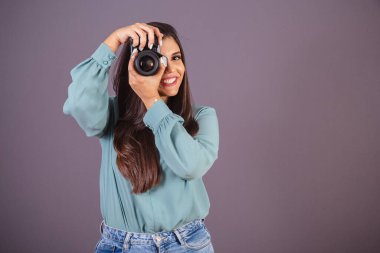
(163, 65)
(158, 34)
(135, 38)
(131, 68)
(142, 36)
(150, 32)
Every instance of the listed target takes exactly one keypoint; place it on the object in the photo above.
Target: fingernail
(164, 61)
(141, 49)
(160, 42)
(134, 51)
(151, 46)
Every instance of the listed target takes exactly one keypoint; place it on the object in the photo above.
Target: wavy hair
(138, 159)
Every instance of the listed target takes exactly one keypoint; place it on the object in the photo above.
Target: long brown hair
(137, 156)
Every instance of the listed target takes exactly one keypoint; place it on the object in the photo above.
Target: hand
(138, 32)
(146, 87)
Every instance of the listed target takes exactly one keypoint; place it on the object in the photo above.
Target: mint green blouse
(181, 196)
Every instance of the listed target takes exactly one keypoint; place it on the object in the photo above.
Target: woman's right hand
(137, 32)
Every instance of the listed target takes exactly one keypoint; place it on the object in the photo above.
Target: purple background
(296, 86)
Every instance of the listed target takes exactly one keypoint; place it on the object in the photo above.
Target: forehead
(169, 46)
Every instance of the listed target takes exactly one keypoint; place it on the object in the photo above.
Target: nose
(168, 67)
(169, 64)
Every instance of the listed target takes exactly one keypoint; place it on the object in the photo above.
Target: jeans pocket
(103, 246)
(197, 239)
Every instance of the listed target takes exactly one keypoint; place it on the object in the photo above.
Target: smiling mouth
(169, 82)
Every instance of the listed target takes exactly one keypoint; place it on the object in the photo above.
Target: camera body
(147, 61)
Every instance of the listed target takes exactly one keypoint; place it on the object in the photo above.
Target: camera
(147, 61)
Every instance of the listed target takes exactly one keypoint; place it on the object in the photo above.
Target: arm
(189, 157)
(88, 101)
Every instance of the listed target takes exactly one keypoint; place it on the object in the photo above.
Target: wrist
(113, 42)
(150, 101)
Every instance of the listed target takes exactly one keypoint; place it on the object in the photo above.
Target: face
(175, 69)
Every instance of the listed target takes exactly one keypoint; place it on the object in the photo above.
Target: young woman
(156, 145)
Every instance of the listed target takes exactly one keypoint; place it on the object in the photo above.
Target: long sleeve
(88, 101)
(187, 156)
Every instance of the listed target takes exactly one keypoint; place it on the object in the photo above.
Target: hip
(190, 237)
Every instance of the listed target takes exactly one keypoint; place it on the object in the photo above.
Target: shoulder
(201, 110)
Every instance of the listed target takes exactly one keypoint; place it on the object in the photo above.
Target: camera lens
(146, 63)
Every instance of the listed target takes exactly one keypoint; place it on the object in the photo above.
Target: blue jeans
(190, 237)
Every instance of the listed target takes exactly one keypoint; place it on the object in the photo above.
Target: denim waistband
(159, 238)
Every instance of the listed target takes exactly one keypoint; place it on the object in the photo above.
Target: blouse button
(111, 57)
(105, 62)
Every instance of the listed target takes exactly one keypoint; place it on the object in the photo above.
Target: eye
(177, 56)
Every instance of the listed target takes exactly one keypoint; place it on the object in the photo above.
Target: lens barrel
(147, 61)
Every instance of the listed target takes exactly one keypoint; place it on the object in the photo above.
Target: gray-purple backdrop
(296, 86)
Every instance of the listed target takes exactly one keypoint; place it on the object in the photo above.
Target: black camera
(147, 61)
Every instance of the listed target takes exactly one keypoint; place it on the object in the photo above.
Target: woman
(156, 145)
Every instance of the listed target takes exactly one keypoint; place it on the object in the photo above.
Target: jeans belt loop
(179, 236)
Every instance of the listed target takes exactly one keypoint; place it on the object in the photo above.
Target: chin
(170, 92)
(166, 94)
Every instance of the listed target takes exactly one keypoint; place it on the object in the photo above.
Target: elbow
(92, 126)
(66, 107)
(197, 170)
(71, 107)
(94, 133)
(195, 175)
(94, 129)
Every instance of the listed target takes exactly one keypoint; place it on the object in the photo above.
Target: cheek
(182, 72)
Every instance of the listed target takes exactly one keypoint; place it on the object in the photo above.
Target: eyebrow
(176, 52)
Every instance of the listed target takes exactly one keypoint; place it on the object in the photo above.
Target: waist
(119, 236)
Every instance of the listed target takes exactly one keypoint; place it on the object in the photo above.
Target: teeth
(168, 81)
